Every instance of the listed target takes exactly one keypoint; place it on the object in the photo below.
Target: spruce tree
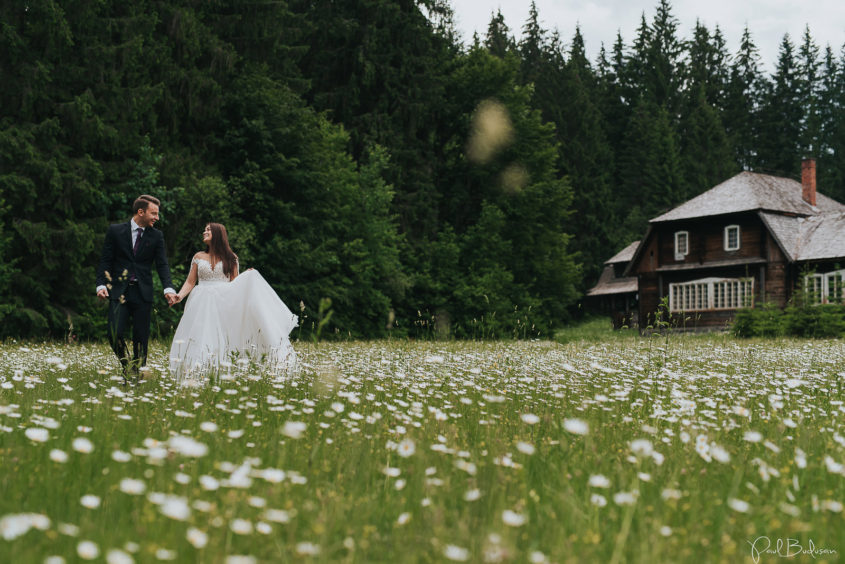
(743, 103)
(664, 60)
(831, 165)
(808, 92)
(782, 116)
(498, 40)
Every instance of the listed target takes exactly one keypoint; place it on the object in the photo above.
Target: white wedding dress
(225, 323)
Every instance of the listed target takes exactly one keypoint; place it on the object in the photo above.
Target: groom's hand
(103, 294)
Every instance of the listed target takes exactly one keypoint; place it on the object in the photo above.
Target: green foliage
(332, 139)
(764, 321)
(519, 417)
(820, 322)
(797, 320)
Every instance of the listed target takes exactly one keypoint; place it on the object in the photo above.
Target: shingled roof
(808, 238)
(608, 283)
(625, 255)
(749, 191)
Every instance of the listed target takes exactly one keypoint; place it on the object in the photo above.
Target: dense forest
(385, 175)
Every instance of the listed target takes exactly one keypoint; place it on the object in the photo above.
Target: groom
(125, 278)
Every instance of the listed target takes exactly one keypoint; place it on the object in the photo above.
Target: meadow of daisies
(626, 450)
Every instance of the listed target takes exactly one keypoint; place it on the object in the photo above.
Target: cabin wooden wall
(706, 239)
(706, 245)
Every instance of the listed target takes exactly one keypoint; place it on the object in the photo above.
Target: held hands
(103, 294)
(172, 299)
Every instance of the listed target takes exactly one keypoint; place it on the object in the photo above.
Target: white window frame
(823, 287)
(708, 294)
(679, 255)
(727, 238)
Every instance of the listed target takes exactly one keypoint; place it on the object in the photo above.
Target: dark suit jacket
(119, 262)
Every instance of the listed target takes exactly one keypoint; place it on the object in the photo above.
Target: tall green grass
(409, 452)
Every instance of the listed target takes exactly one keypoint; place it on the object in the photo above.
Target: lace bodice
(205, 273)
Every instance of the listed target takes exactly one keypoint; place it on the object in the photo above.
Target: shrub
(797, 320)
(823, 321)
(763, 321)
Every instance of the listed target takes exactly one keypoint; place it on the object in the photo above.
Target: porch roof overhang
(625, 286)
(712, 264)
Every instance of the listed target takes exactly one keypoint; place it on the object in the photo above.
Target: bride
(228, 317)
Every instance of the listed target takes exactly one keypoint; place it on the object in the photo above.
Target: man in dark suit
(125, 278)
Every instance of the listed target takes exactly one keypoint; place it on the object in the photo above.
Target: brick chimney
(808, 181)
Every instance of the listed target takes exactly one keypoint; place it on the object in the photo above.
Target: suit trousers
(134, 309)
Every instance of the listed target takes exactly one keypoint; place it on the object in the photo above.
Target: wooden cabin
(744, 242)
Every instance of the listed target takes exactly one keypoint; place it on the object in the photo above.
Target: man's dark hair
(143, 202)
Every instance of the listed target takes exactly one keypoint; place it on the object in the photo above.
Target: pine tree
(743, 102)
(808, 92)
(707, 67)
(664, 60)
(612, 102)
(515, 199)
(588, 161)
(650, 169)
(499, 41)
(531, 47)
(633, 70)
(706, 153)
(831, 166)
(782, 116)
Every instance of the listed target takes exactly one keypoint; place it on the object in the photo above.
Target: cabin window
(732, 238)
(711, 293)
(681, 244)
(826, 288)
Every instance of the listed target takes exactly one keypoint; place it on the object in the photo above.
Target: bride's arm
(190, 282)
(236, 272)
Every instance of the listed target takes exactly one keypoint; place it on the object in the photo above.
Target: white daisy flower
(513, 519)
(576, 426)
(87, 550)
(197, 537)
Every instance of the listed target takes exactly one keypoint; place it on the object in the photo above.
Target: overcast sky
(768, 20)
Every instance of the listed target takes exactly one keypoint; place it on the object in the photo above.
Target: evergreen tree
(320, 229)
(808, 83)
(64, 143)
(531, 47)
(650, 168)
(706, 153)
(612, 102)
(707, 67)
(499, 41)
(633, 68)
(746, 86)
(664, 68)
(588, 161)
(831, 165)
(515, 199)
(782, 116)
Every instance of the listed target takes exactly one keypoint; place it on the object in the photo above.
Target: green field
(620, 450)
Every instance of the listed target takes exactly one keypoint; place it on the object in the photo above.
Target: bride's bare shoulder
(202, 255)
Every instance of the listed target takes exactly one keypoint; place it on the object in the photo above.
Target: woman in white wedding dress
(228, 317)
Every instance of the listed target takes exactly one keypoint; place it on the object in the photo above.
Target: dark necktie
(135, 248)
(138, 241)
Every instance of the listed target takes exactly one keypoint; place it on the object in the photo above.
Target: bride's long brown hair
(219, 248)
